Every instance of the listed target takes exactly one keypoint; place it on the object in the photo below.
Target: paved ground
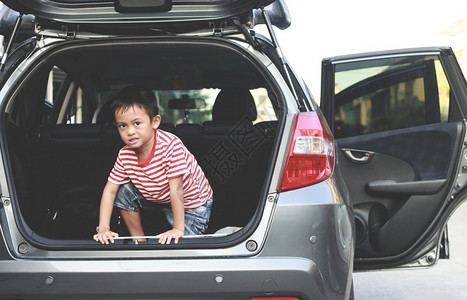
(447, 280)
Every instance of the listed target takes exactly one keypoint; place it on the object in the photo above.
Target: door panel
(397, 192)
(399, 132)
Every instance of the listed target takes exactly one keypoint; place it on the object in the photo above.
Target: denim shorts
(196, 220)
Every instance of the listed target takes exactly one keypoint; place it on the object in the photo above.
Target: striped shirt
(169, 159)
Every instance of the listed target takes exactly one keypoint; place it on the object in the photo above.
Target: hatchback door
(398, 119)
(171, 15)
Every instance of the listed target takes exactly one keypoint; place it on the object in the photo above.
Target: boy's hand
(166, 237)
(105, 236)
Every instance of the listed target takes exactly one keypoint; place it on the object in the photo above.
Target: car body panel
(271, 271)
(233, 278)
(281, 266)
(104, 12)
(104, 15)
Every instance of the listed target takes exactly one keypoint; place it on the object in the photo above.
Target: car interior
(62, 142)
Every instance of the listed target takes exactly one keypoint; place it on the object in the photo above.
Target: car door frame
(428, 247)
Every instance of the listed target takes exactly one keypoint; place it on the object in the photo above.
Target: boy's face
(136, 127)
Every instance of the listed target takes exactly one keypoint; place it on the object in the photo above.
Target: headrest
(167, 127)
(234, 104)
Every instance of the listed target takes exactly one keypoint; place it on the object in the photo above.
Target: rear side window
(386, 94)
(77, 108)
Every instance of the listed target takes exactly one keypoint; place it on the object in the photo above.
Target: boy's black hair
(135, 95)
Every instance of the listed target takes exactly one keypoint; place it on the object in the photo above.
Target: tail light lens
(310, 157)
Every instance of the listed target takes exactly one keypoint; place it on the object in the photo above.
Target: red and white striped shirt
(169, 159)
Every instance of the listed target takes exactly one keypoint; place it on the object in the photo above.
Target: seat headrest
(234, 104)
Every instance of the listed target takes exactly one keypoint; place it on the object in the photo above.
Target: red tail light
(310, 157)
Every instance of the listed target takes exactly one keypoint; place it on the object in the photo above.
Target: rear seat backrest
(169, 127)
(232, 106)
(235, 171)
(191, 136)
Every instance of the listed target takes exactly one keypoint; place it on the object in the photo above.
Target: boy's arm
(178, 210)
(107, 201)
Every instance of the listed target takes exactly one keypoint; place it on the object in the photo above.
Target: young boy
(154, 166)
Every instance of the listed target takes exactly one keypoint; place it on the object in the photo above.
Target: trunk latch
(217, 28)
(68, 33)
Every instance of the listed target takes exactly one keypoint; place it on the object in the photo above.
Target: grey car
(303, 195)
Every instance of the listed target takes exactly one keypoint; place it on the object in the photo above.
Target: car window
(197, 115)
(77, 107)
(386, 94)
(207, 98)
(72, 105)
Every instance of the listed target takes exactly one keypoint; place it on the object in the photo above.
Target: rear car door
(398, 118)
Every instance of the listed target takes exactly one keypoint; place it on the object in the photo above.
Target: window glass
(175, 106)
(204, 100)
(264, 106)
(386, 94)
(78, 111)
(76, 107)
(443, 91)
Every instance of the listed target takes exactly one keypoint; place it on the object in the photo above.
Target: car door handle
(358, 156)
(426, 187)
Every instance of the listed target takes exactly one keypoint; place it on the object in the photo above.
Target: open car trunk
(62, 142)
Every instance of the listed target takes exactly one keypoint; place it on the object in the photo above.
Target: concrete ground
(447, 280)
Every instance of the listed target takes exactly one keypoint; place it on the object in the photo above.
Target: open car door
(398, 118)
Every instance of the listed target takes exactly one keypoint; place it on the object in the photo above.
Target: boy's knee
(127, 198)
